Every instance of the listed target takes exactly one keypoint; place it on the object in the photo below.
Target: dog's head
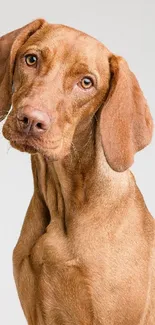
(56, 79)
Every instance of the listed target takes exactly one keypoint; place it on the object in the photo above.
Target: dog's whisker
(89, 139)
(8, 149)
(75, 152)
(96, 118)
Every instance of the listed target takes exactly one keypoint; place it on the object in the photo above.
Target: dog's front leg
(34, 227)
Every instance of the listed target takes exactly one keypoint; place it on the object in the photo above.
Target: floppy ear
(9, 45)
(126, 124)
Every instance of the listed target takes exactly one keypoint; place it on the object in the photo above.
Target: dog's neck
(85, 176)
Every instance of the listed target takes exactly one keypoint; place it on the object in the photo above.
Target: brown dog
(86, 253)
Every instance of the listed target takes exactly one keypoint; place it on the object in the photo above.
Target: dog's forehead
(65, 39)
(70, 36)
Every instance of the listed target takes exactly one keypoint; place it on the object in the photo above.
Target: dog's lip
(34, 146)
(23, 145)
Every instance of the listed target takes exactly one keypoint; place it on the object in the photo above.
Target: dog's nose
(32, 121)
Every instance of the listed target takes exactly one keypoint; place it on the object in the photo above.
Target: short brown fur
(86, 252)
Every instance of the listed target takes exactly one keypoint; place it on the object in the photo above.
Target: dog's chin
(52, 154)
(23, 147)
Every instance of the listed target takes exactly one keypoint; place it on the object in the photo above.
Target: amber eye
(86, 83)
(31, 59)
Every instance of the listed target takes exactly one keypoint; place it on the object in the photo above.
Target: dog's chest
(88, 279)
(85, 274)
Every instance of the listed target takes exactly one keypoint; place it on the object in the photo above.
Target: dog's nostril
(39, 125)
(25, 120)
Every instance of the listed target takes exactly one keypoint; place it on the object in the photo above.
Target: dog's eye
(31, 60)
(86, 83)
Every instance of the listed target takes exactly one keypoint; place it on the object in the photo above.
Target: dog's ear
(9, 45)
(126, 124)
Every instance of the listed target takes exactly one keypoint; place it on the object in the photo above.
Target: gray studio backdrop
(127, 28)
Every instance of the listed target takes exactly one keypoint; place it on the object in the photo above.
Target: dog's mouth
(31, 146)
(24, 147)
(51, 148)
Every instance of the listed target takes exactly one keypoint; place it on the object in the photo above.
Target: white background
(128, 29)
